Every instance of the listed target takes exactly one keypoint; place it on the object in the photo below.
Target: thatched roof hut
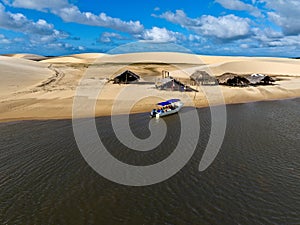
(245, 80)
(126, 78)
(238, 81)
(260, 79)
(171, 84)
(204, 78)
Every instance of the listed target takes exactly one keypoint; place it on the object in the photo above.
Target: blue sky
(213, 27)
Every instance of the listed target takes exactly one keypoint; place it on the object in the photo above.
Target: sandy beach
(34, 87)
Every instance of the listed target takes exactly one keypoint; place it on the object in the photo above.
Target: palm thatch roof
(256, 79)
(245, 80)
(203, 77)
(238, 81)
(126, 78)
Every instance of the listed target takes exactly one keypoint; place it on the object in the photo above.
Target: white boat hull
(168, 112)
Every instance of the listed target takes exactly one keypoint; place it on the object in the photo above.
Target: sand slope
(266, 66)
(159, 57)
(17, 74)
(87, 58)
(27, 56)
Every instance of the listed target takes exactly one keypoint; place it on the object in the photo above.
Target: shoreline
(43, 119)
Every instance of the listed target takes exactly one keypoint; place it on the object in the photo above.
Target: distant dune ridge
(38, 87)
(27, 56)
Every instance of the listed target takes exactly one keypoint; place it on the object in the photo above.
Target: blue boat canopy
(170, 101)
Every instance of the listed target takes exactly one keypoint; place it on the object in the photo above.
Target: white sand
(17, 74)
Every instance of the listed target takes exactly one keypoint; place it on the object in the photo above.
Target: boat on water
(166, 108)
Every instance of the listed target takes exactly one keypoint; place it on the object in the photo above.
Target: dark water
(255, 178)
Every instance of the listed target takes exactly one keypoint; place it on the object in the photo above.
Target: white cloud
(4, 40)
(159, 35)
(291, 41)
(107, 37)
(40, 5)
(286, 14)
(81, 48)
(225, 27)
(271, 38)
(193, 37)
(71, 13)
(179, 17)
(244, 46)
(20, 23)
(65, 46)
(229, 27)
(240, 6)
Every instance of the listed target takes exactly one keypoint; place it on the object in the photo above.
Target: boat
(166, 108)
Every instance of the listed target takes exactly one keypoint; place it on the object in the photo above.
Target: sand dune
(17, 74)
(46, 89)
(223, 59)
(65, 59)
(159, 57)
(284, 67)
(88, 55)
(87, 58)
(27, 56)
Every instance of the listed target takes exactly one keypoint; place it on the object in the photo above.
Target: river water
(255, 178)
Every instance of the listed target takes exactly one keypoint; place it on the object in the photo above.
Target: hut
(260, 79)
(171, 84)
(126, 78)
(232, 79)
(203, 78)
(238, 81)
(245, 80)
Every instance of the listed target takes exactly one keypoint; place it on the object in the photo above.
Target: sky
(210, 27)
